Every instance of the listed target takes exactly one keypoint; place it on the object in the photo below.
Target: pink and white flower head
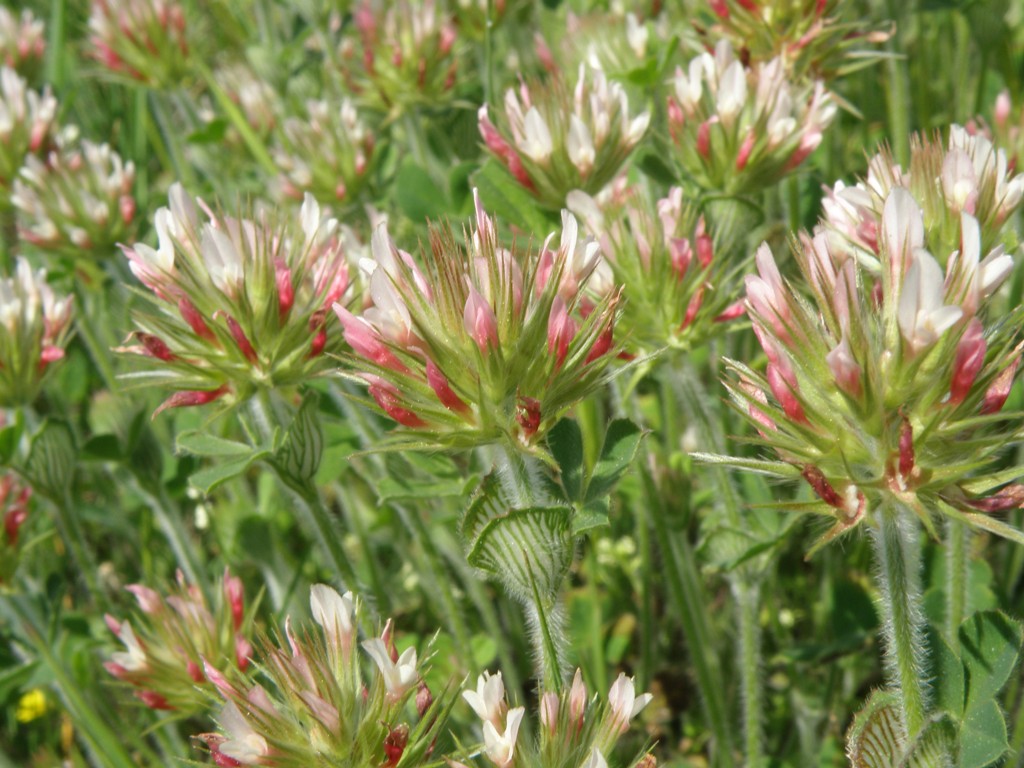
(320, 704)
(401, 55)
(237, 304)
(664, 256)
(27, 120)
(144, 40)
(739, 128)
(554, 138)
(329, 152)
(174, 640)
(77, 201)
(967, 175)
(876, 354)
(34, 328)
(500, 745)
(481, 343)
(811, 38)
(22, 41)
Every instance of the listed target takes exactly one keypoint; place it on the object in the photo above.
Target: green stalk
(264, 418)
(98, 351)
(71, 532)
(897, 552)
(897, 93)
(747, 594)
(957, 579)
(679, 568)
(104, 744)
(168, 519)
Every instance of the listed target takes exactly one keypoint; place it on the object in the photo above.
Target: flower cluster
(170, 640)
(739, 128)
(26, 122)
(888, 382)
(554, 139)
(14, 501)
(238, 303)
(404, 56)
(481, 345)
(810, 36)
(78, 201)
(22, 41)
(616, 44)
(573, 730)
(328, 152)
(142, 40)
(678, 290)
(34, 326)
(323, 706)
(968, 175)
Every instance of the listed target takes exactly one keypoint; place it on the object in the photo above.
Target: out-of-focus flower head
(170, 639)
(252, 94)
(481, 344)
(618, 44)
(328, 152)
(404, 54)
(327, 703)
(14, 503)
(679, 289)
(555, 138)
(575, 730)
(34, 327)
(26, 126)
(22, 41)
(739, 128)
(967, 175)
(815, 39)
(144, 40)
(237, 304)
(77, 201)
(886, 377)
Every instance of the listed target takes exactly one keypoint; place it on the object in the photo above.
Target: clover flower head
(403, 54)
(237, 303)
(143, 40)
(664, 257)
(77, 201)
(22, 41)
(812, 38)
(173, 637)
(741, 127)
(329, 152)
(557, 137)
(318, 705)
(885, 375)
(480, 343)
(34, 326)
(27, 119)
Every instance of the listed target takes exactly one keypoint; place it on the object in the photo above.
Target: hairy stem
(957, 579)
(747, 593)
(897, 552)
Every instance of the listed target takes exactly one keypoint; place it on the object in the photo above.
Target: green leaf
(206, 480)
(299, 455)
(565, 441)
(874, 739)
(499, 192)
(204, 444)
(417, 195)
(982, 736)
(10, 436)
(102, 448)
(51, 459)
(593, 515)
(211, 133)
(621, 442)
(947, 674)
(990, 643)
(529, 549)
